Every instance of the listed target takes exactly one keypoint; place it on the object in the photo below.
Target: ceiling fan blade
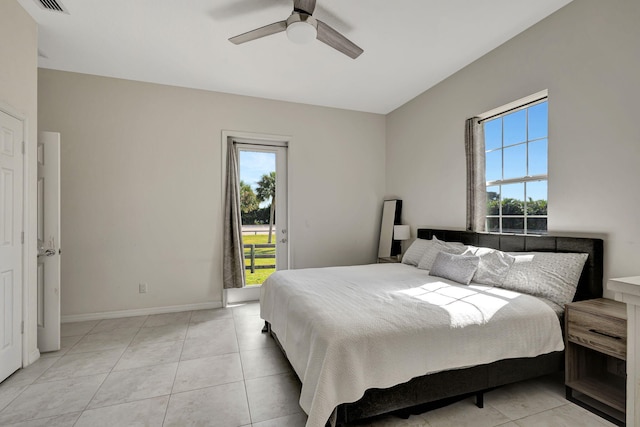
(267, 30)
(329, 36)
(337, 22)
(306, 6)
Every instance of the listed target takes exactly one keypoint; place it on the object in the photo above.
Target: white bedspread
(348, 329)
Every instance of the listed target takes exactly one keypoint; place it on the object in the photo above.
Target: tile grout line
(106, 376)
(33, 382)
(265, 376)
(110, 406)
(175, 375)
(11, 401)
(244, 380)
(41, 374)
(124, 350)
(25, 387)
(205, 387)
(112, 370)
(528, 415)
(567, 404)
(41, 358)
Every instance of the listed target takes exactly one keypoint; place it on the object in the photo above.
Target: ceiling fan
(302, 27)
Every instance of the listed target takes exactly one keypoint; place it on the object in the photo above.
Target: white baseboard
(139, 312)
(237, 295)
(33, 356)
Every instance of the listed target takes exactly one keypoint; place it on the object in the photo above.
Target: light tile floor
(215, 368)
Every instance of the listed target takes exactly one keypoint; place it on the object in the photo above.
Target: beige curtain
(476, 178)
(233, 252)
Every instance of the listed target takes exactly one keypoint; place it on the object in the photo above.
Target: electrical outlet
(142, 288)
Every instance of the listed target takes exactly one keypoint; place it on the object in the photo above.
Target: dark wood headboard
(590, 285)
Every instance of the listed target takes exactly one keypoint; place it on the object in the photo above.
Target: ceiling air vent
(52, 5)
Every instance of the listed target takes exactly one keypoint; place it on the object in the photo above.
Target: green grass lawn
(260, 275)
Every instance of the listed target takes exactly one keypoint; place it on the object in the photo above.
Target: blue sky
(509, 132)
(254, 164)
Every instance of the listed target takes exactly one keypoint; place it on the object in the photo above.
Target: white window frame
(521, 104)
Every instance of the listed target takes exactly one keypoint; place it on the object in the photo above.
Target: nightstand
(595, 356)
(391, 259)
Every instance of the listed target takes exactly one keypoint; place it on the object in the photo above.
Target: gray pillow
(451, 244)
(493, 267)
(439, 246)
(459, 268)
(415, 252)
(549, 275)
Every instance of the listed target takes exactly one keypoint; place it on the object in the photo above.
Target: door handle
(47, 252)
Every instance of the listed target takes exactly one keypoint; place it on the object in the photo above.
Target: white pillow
(493, 266)
(549, 275)
(459, 268)
(426, 262)
(416, 251)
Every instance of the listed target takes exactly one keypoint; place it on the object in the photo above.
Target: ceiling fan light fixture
(301, 32)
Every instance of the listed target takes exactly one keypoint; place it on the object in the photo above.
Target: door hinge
(22, 237)
(22, 327)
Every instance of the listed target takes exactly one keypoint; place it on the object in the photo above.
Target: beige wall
(18, 95)
(142, 186)
(588, 56)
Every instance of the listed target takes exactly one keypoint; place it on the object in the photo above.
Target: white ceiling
(409, 45)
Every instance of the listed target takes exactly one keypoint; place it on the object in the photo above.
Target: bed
(356, 340)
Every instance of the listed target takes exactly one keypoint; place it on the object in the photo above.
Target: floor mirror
(391, 211)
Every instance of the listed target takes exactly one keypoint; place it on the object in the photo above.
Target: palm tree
(266, 190)
(248, 199)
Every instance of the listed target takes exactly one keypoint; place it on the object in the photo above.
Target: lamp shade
(401, 232)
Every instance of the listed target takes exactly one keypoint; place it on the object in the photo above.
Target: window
(516, 143)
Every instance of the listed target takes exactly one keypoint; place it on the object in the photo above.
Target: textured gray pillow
(550, 275)
(415, 252)
(493, 267)
(459, 268)
(439, 246)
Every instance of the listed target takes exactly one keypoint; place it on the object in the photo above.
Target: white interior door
(11, 241)
(48, 241)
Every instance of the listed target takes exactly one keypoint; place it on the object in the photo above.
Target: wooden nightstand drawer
(605, 334)
(595, 356)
